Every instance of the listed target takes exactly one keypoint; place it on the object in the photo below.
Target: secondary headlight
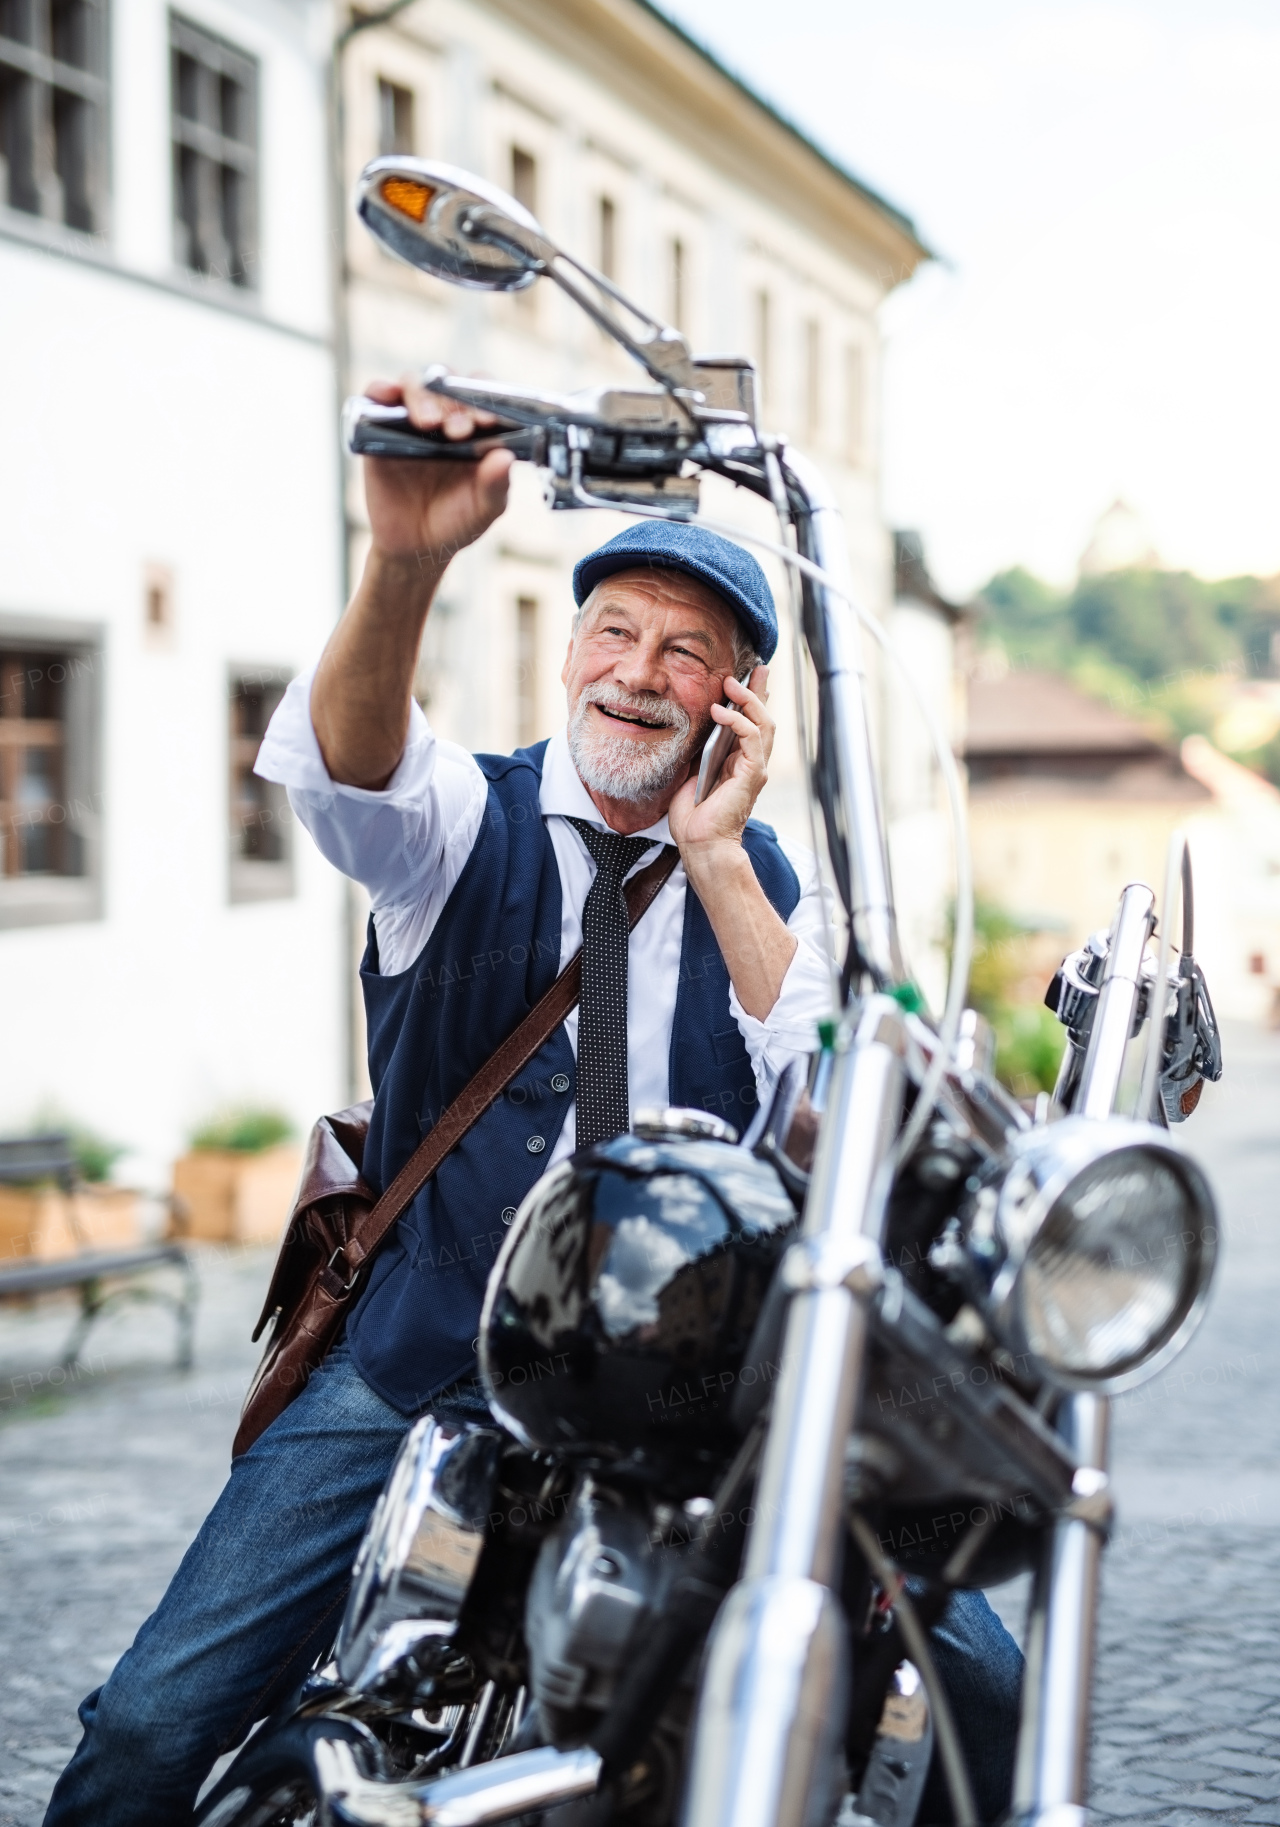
(1107, 1237)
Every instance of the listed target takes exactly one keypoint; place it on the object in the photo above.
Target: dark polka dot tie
(603, 1101)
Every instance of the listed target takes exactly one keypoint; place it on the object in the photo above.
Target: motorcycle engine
(596, 1582)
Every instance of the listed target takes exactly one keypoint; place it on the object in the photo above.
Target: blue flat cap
(675, 545)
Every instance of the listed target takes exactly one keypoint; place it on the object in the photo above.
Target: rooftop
(1041, 736)
(1041, 713)
(645, 57)
(897, 216)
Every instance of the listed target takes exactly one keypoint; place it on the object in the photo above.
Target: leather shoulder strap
(493, 1077)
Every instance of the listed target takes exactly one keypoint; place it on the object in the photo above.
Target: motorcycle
(760, 1406)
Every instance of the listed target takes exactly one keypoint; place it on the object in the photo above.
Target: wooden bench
(104, 1278)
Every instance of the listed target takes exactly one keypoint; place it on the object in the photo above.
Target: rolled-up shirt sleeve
(790, 1030)
(406, 843)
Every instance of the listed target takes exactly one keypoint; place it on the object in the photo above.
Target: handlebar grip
(375, 430)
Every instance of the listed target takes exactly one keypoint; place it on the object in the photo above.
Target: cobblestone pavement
(1187, 1719)
(104, 1481)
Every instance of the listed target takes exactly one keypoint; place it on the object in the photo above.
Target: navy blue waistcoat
(493, 952)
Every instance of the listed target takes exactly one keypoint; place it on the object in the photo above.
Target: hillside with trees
(1165, 647)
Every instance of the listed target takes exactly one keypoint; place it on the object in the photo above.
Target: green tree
(1152, 624)
(1159, 645)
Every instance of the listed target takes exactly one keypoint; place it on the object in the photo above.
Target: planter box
(236, 1198)
(45, 1223)
(35, 1221)
(106, 1217)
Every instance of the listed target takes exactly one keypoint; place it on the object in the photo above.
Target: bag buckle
(347, 1286)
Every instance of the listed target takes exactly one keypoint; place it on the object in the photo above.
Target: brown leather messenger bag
(338, 1222)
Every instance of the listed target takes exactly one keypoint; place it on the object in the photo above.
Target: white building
(1235, 853)
(168, 482)
(639, 153)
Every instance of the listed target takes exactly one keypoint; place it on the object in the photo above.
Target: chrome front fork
(774, 1690)
(1051, 1781)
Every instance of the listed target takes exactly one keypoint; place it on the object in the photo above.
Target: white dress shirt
(408, 843)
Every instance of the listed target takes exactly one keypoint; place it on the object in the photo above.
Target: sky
(1101, 184)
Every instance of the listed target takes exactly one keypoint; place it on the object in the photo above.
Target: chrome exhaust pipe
(492, 1792)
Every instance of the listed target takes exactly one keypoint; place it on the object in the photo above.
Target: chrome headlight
(1106, 1236)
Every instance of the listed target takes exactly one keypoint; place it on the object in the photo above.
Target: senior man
(486, 874)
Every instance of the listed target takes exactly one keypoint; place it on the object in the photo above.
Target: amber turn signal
(408, 196)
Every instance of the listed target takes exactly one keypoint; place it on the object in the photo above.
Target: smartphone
(716, 752)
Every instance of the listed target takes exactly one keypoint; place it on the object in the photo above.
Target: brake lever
(520, 405)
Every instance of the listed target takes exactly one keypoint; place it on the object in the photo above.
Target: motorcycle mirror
(451, 224)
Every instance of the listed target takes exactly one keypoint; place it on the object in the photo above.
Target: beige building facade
(1069, 801)
(643, 156)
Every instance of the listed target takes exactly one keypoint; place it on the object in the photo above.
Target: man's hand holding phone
(712, 809)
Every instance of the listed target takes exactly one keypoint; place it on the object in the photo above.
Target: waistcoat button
(535, 1144)
(560, 1082)
(508, 1213)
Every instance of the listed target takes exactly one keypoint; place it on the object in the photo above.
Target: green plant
(93, 1154)
(245, 1131)
(1029, 1048)
(1029, 1040)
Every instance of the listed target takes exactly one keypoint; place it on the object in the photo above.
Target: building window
(812, 373)
(49, 806)
(526, 670)
(214, 124)
(524, 179)
(676, 273)
(261, 822)
(395, 118)
(608, 237)
(764, 349)
(53, 105)
(524, 188)
(855, 404)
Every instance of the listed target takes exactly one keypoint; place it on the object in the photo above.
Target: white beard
(626, 767)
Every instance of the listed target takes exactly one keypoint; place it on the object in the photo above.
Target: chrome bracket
(816, 1264)
(1091, 1500)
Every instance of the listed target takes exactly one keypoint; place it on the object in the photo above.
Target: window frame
(812, 354)
(763, 332)
(607, 235)
(388, 91)
(678, 279)
(88, 84)
(856, 376)
(254, 879)
(218, 57)
(522, 168)
(527, 647)
(56, 899)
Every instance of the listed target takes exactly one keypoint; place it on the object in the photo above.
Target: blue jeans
(980, 1666)
(259, 1596)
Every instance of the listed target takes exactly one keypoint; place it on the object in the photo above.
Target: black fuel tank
(620, 1310)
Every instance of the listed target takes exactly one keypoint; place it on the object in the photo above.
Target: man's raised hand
(421, 512)
(428, 508)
